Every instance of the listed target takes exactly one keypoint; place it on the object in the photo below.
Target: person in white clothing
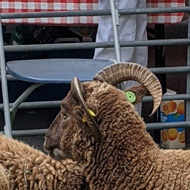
(131, 28)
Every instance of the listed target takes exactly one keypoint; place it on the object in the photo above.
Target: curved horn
(78, 93)
(120, 72)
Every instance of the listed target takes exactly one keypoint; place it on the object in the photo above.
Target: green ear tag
(130, 96)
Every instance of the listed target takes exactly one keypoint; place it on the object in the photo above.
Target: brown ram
(25, 168)
(4, 182)
(101, 130)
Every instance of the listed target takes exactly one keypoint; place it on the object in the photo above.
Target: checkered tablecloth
(166, 17)
(18, 6)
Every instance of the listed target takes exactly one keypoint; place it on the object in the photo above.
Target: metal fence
(92, 45)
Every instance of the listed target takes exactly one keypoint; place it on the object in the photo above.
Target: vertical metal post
(159, 62)
(7, 127)
(115, 24)
(187, 130)
(188, 74)
(160, 54)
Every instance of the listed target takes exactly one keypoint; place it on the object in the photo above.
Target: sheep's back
(4, 183)
(31, 169)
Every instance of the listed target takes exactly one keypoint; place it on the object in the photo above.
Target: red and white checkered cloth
(166, 17)
(18, 6)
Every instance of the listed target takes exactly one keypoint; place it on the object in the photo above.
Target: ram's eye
(64, 115)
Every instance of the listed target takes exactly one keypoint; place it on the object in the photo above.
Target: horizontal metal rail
(169, 97)
(9, 78)
(55, 104)
(149, 126)
(181, 124)
(92, 45)
(38, 104)
(170, 70)
(28, 132)
(159, 70)
(94, 12)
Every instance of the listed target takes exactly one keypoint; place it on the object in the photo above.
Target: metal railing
(92, 45)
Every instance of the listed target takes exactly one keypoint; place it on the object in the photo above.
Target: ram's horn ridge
(120, 72)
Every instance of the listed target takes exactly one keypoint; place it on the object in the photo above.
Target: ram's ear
(135, 94)
(79, 114)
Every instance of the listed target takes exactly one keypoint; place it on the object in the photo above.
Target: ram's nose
(51, 147)
(50, 143)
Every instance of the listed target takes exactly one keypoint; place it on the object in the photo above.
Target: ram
(99, 128)
(26, 168)
(4, 182)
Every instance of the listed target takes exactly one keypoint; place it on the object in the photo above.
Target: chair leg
(21, 99)
(7, 127)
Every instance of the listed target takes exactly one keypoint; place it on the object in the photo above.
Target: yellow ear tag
(83, 120)
(91, 113)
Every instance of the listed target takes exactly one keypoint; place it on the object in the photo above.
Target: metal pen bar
(154, 10)
(56, 104)
(149, 126)
(7, 127)
(181, 124)
(9, 78)
(169, 70)
(188, 74)
(92, 45)
(115, 24)
(28, 132)
(94, 12)
(169, 97)
(39, 104)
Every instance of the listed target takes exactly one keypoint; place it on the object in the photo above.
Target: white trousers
(131, 28)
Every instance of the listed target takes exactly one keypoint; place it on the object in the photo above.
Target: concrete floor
(174, 56)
